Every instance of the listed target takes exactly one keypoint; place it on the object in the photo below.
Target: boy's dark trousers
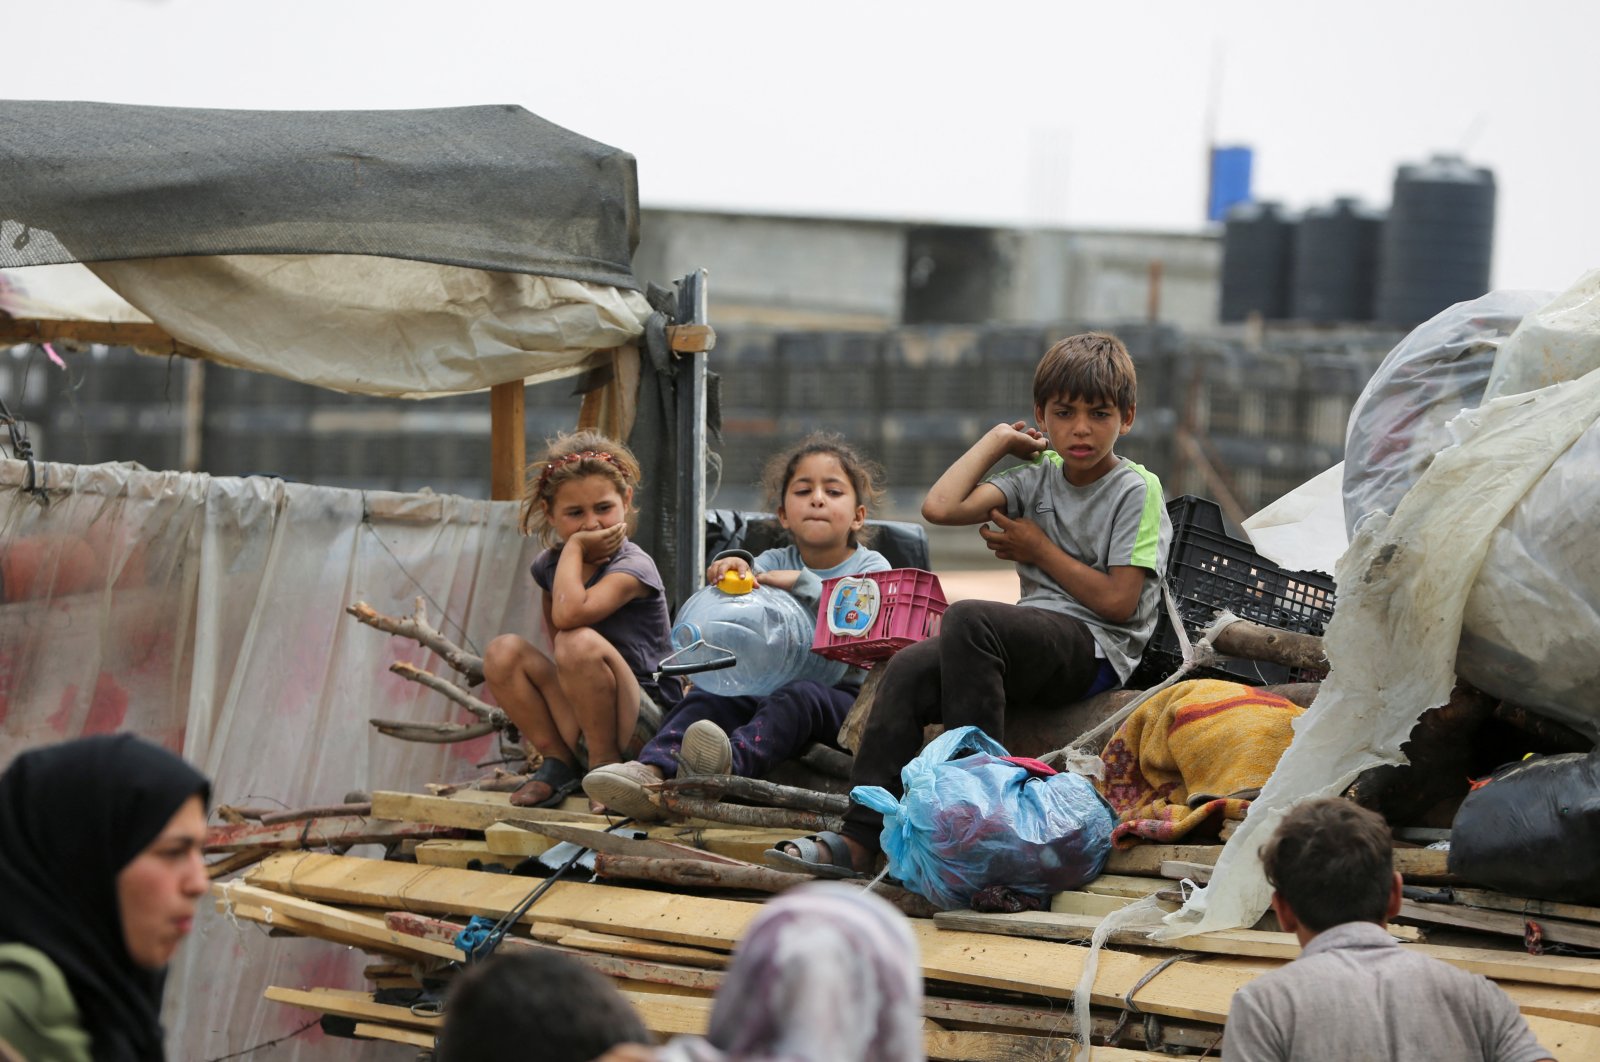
(987, 655)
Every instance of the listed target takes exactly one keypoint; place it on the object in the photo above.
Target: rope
(444, 613)
(1129, 1007)
(1074, 755)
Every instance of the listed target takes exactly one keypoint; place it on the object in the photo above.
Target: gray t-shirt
(1118, 520)
(1355, 994)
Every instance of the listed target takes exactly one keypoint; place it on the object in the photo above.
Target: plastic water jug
(740, 639)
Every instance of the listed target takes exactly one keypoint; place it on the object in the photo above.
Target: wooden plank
(1499, 901)
(1129, 885)
(1568, 1041)
(1189, 990)
(366, 1030)
(1414, 864)
(1146, 859)
(505, 840)
(1182, 870)
(508, 450)
(446, 853)
(613, 944)
(318, 914)
(470, 809)
(619, 843)
(1087, 903)
(691, 338)
(665, 1015)
(741, 844)
(1502, 922)
(671, 1015)
(623, 968)
(145, 336)
(1053, 925)
(1184, 990)
(348, 1004)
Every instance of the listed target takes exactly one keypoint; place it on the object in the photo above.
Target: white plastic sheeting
(208, 614)
(1403, 590)
(358, 323)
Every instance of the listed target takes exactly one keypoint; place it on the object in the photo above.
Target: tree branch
(419, 630)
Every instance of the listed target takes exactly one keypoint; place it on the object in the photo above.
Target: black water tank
(1257, 255)
(1336, 263)
(1438, 240)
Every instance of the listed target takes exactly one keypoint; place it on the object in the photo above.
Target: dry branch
(484, 711)
(432, 733)
(743, 815)
(419, 630)
(1253, 641)
(300, 814)
(758, 791)
(696, 873)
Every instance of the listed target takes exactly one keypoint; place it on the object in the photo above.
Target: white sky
(1063, 112)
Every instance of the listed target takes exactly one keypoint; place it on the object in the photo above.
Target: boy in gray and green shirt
(1088, 531)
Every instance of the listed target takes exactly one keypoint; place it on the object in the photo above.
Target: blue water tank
(1438, 241)
(1230, 180)
(1257, 256)
(1336, 263)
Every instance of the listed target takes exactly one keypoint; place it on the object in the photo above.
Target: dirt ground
(983, 585)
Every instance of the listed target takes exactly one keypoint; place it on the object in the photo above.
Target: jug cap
(736, 582)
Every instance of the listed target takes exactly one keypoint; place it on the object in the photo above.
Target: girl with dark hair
(821, 489)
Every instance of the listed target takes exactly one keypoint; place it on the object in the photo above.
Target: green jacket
(38, 1017)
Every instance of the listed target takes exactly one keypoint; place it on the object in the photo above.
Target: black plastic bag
(1533, 830)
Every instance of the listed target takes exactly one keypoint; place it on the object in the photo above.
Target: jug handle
(667, 668)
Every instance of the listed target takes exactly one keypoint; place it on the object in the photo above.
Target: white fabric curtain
(208, 614)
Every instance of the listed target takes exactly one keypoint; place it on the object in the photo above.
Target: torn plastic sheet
(1403, 589)
(207, 614)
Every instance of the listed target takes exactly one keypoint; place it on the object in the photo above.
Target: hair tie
(567, 459)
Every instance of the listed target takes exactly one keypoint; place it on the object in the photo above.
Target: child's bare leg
(602, 691)
(525, 685)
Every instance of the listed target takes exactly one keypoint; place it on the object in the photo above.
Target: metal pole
(691, 402)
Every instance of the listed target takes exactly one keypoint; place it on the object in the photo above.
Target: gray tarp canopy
(408, 253)
(492, 187)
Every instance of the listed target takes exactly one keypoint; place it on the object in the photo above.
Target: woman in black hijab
(100, 874)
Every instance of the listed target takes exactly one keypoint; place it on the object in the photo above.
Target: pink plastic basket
(908, 609)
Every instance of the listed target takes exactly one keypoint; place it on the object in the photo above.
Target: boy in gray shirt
(1354, 993)
(1089, 533)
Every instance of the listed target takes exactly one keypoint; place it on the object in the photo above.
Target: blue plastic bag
(969, 820)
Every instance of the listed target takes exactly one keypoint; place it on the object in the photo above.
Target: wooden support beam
(351, 1004)
(691, 338)
(148, 337)
(508, 451)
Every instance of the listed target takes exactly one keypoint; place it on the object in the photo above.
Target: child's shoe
(705, 750)
(621, 788)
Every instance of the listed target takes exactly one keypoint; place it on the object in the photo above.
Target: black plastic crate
(1208, 571)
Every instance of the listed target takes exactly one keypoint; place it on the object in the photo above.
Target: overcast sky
(1092, 115)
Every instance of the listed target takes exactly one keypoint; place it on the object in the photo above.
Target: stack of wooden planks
(675, 899)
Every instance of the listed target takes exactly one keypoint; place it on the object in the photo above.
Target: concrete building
(840, 273)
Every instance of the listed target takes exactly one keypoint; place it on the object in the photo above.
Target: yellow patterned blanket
(1200, 749)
